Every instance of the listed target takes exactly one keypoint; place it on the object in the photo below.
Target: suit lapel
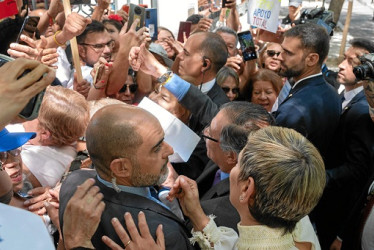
(220, 189)
(355, 99)
(135, 201)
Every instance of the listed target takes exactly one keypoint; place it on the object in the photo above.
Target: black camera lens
(364, 71)
(137, 10)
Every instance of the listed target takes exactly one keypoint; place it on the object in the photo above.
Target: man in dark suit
(350, 162)
(203, 55)
(127, 148)
(312, 106)
(224, 138)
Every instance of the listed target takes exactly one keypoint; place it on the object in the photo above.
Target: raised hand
(75, 24)
(82, 215)
(141, 59)
(142, 240)
(16, 91)
(35, 50)
(187, 193)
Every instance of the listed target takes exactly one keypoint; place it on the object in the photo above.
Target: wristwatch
(165, 77)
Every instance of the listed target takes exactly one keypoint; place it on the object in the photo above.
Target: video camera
(365, 71)
(320, 16)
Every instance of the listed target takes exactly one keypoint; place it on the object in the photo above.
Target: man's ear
(232, 157)
(81, 51)
(312, 59)
(45, 136)
(247, 191)
(207, 64)
(121, 167)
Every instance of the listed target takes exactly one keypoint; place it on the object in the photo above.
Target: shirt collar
(205, 87)
(141, 191)
(348, 96)
(320, 73)
(224, 175)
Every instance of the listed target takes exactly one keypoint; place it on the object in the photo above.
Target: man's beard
(146, 180)
(290, 73)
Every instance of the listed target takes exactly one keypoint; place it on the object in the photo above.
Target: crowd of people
(285, 159)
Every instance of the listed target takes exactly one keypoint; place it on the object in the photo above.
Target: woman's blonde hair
(64, 113)
(288, 173)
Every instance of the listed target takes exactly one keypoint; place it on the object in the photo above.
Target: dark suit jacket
(349, 165)
(313, 109)
(203, 108)
(203, 111)
(216, 200)
(116, 204)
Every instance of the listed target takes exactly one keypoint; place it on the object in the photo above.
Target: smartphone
(31, 110)
(151, 22)
(136, 12)
(28, 28)
(247, 45)
(76, 2)
(8, 8)
(99, 72)
(184, 27)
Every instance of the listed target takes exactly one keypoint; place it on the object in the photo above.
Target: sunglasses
(132, 87)
(14, 153)
(272, 53)
(227, 90)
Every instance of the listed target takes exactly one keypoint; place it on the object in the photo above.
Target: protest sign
(264, 14)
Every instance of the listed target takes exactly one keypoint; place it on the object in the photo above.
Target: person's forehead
(219, 121)
(193, 43)
(151, 132)
(291, 44)
(262, 84)
(355, 52)
(274, 46)
(164, 33)
(98, 37)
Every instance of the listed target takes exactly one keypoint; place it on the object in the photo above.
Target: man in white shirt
(93, 43)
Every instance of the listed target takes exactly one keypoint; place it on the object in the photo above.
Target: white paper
(264, 14)
(20, 229)
(177, 134)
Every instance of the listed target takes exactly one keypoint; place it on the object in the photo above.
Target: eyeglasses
(14, 153)
(132, 87)
(100, 46)
(207, 131)
(272, 53)
(227, 90)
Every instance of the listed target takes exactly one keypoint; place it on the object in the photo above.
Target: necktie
(217, 177)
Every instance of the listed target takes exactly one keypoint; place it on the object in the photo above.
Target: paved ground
(362, 24)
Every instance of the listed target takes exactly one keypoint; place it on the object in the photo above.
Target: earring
(114, 184)
(241, 198)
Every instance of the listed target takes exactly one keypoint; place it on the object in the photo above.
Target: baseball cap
(159, 50)
(10, 141)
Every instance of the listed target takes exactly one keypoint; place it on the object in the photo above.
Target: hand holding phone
(136, 12)
(22, 95)
(247, 45)
(28, 28)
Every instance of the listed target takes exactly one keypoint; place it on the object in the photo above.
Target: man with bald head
(127, 148)
(204, 54)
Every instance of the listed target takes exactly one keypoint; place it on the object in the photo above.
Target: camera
(366, 69)
(320, 16)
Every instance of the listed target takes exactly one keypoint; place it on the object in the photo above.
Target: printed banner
(264, 14)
